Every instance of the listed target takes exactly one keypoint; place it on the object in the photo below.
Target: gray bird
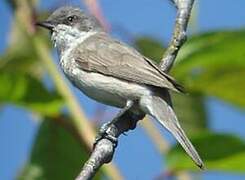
(113, 73)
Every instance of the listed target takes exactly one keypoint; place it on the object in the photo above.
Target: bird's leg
(103, 130)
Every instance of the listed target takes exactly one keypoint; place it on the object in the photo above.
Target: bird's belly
(106, 89)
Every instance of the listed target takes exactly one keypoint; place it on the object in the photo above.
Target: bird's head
(73, 17)
(67, 24)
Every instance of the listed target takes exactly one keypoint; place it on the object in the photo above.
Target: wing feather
(100, 53)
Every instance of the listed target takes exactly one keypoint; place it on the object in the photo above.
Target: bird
(113, 73)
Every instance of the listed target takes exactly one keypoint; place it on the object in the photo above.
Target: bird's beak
(46, 24)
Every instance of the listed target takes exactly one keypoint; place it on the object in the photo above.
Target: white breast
(105, 89)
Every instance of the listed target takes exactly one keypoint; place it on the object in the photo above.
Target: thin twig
(104, 149)
(179, 35)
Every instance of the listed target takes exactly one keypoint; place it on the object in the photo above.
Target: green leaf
(190, 109)
(21, 75)
(21, 57)
(191, 112)
(27, 92)
(220, 152)
(213, 64)
(56, 154)
(150, 48)
(21, 60)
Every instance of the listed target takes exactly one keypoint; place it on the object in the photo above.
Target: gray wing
(100, 53)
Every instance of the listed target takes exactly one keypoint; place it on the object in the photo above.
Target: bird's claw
(104, 135)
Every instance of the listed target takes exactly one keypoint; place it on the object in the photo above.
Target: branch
(179, 36)
(104, 150)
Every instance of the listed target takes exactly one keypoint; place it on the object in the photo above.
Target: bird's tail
(158, 108)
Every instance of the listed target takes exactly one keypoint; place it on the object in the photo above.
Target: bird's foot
(103, 134)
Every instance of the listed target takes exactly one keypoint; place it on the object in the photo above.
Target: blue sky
(139, 17)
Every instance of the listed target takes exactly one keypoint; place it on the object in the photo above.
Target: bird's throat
(64, 37)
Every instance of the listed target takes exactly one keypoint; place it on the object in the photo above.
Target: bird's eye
(72, 18)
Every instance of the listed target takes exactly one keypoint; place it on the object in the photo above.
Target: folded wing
(103, 54)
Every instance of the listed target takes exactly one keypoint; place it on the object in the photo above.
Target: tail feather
(163, 112)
